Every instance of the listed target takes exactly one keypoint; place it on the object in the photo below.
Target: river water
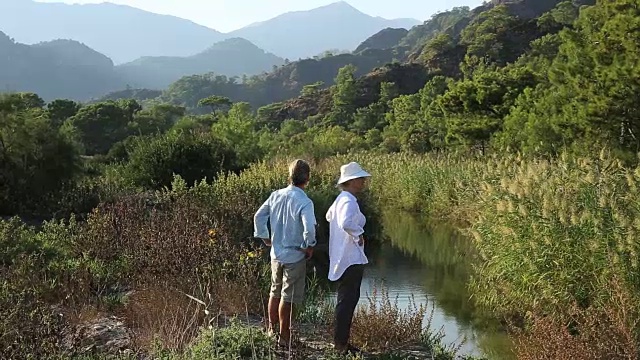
(430, 264)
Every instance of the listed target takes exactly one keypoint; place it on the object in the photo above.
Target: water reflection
(431, 263)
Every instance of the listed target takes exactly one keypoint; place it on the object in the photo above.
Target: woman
(346, 250)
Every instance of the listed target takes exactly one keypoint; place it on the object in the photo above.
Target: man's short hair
(299, 171)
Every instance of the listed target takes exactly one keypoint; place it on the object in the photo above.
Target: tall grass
(553, 236)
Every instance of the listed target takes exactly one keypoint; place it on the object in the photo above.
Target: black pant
(348, 297)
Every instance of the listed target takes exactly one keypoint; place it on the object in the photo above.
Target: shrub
(382, 325)
(236, 341)
(154, 161)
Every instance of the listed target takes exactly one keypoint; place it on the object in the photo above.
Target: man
(291, 216)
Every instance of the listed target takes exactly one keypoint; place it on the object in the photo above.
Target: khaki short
(288, 281)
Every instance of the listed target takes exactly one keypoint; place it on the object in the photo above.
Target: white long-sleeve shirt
(346, 224)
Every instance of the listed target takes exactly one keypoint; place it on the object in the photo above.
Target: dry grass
(159, 315)
(599, 332)
(382, 325)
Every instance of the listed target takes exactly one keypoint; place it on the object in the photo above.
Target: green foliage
(153, 161)
(101, 125)
(591, 93)
(439, 23)
(564, 14)
(16, 102)
(232, 342)
(60, 110)
(36, 161)
(238, 130)
(215, 102)
(344, 96)
(495, 37)
(36, 267)
(189, 90)
(311, 89)
(156, 119)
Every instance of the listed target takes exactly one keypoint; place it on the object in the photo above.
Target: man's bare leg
(274, 303)
(285, 322)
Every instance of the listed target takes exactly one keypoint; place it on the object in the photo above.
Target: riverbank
(231, 337)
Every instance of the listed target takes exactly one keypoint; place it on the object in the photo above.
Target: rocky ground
(110, 337)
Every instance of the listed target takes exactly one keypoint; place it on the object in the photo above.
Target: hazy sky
(227, 15)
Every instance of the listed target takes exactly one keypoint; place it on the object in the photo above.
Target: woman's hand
(267, 242)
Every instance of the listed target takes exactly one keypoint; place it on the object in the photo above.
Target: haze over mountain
(56, 69)
(70, 69)
(303, 34)
(124, 33)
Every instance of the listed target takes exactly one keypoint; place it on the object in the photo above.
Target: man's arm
(260, 220)
(309, 225)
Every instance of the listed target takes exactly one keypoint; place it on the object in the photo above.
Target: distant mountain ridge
(231, 57)
(70, 69)
(140, 33)
(56, 69)
(137, 32)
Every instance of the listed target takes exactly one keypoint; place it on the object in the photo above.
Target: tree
(373, 116)
(14, 102)
(266, 116)
(60, 110)
(157, 119)
(563, 15)
(344, 96)
(153, 161)
(36, 163)
(101, 125)
(216, 103)
(238, 129)
(496, 38)
(405, 126)
(312, 90)
(593, 98)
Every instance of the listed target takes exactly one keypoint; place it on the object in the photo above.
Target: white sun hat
(351, 171)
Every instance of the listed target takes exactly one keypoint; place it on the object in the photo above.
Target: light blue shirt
(292, 218)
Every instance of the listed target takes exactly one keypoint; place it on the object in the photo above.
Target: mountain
(70, 69)
(55, 69)
(125, 34)
(303, 34)
(231, 57)
(121, 32)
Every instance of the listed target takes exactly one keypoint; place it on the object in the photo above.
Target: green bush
(154, 161)
(235, 341)
(36, 161)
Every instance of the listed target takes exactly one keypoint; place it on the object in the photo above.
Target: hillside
(303, 34)
(138, 33)
(231, 57)
(385, 39)
(439, 47)
(283, 83)
(56, 69)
